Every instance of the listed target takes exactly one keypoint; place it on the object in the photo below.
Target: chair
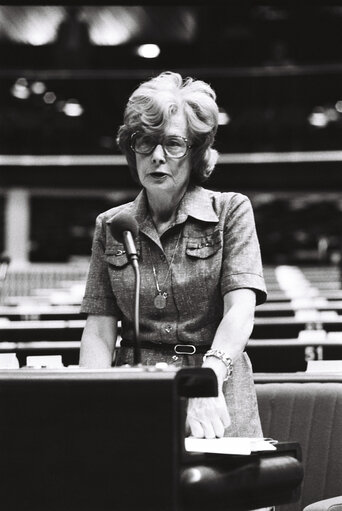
(307, 409)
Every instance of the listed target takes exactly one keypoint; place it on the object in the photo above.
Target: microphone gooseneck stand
(133, 258)
(137, 350)
(125, 228)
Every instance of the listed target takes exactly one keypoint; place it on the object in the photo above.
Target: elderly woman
(201, 272)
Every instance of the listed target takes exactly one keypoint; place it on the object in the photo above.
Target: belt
(179, 349)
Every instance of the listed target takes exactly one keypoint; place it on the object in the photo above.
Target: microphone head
(123, 222)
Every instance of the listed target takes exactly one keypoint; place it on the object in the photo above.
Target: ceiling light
(319, 118)
(38, 87)
(148, 51)
(49, 98)
(27, 24)
(72, 108)
(338, 106)
(36, 38)
(20, 89)
(113, 25)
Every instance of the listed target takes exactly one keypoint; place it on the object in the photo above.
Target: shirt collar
(139, 209)
(196, 203)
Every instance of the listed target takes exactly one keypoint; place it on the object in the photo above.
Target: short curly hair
(153, 103)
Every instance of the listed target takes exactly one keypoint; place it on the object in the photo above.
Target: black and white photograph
(171, 256)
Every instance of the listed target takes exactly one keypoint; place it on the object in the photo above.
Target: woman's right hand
(207, 417)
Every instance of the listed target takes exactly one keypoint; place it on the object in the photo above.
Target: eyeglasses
(174, 146)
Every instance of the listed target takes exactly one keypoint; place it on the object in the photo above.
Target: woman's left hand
(207, 417)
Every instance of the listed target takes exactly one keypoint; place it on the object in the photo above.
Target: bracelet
(223, 357)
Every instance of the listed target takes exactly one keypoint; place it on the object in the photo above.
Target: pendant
(160, 301)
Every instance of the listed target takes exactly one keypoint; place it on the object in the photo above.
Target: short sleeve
(99, 298)
(242, 266)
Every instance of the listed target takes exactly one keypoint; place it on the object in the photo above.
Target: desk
(46, 330)
(61, 330)
(287, 327)
(82, 440)
(36, 312)
(290, 355)
(289, 308)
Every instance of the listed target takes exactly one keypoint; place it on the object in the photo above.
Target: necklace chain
(159, 289)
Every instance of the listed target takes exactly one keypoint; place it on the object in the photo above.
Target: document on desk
(229, 445)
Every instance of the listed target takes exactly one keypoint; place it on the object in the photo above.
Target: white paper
(228, 445)
(47, 361)
(324, 366)
(9, 361)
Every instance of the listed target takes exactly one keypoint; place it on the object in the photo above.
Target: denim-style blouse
(211, 249)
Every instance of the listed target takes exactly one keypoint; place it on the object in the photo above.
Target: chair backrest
(309, 412)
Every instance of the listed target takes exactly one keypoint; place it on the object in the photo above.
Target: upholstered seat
(309, 412)
(334, 504)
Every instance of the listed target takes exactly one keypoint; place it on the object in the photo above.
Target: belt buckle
(185, 349)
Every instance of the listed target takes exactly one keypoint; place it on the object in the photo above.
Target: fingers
(200, 429)
(187, 427)
(224, 416)
(207, 417)
(206, 427)
(219, 426)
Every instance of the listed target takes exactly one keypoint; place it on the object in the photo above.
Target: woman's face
(159, 172)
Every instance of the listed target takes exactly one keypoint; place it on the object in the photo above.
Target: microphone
(124, 228)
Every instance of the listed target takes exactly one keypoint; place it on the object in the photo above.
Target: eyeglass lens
(173, 145)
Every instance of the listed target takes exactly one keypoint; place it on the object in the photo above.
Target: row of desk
(295, 325)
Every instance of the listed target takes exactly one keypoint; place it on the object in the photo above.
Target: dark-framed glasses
(174, 146)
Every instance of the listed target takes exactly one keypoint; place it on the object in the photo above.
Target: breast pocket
(204, 259)
(205, 246)
(121, 276)
(116, 256)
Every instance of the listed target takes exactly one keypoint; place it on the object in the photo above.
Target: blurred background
(67, 72)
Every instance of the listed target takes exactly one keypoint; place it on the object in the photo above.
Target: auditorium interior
(67, 72)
